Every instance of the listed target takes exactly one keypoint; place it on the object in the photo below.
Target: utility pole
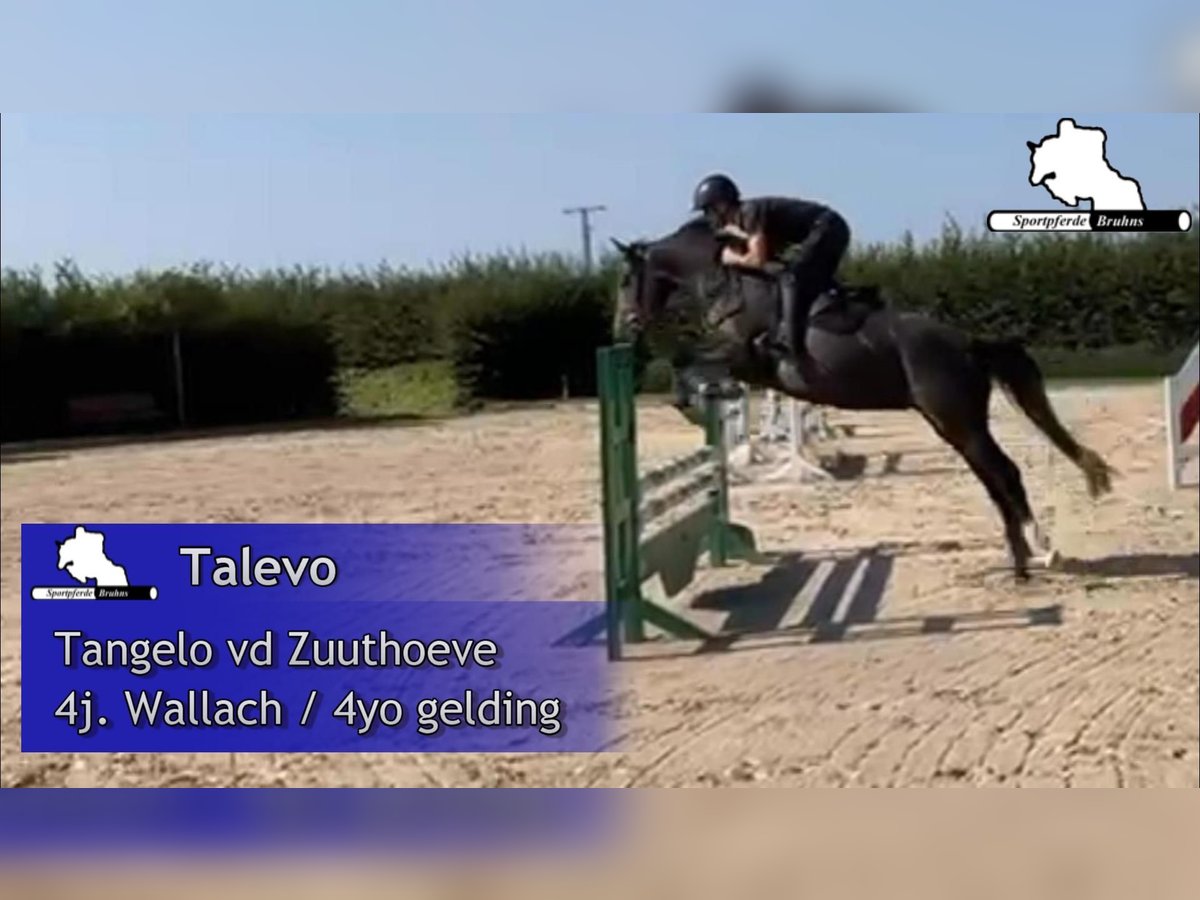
(585, 223)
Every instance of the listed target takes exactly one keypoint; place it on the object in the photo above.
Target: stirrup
(770, 342)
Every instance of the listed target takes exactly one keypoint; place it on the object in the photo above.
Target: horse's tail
(1010, 364)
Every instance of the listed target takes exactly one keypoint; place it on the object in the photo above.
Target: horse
(861, 354)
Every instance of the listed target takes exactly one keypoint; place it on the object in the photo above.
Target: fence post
(177, 355)
(621, 497)
(715, 438)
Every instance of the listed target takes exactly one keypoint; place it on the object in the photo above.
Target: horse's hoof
(722, 390)
(1047, 559)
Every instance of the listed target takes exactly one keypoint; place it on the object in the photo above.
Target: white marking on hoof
(1043, 552)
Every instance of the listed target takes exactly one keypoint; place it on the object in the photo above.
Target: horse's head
(653, 272)
(642, 291)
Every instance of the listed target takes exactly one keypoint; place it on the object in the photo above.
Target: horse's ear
(633, 253)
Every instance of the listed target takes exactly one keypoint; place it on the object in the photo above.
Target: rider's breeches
(815, 261)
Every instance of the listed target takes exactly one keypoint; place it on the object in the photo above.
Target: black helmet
(714, 190)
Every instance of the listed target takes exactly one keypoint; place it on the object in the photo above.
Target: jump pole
(1181, 397)
(658, 523)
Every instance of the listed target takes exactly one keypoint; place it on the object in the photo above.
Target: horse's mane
(684, 249)
(695, 225)
(693, 237)
(688, 250)
(694, 228)
(677, 242)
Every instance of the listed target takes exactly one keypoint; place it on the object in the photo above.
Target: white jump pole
(1181, 397)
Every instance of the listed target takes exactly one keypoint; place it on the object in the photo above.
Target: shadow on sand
(826, 598)
(1134, 565)
(846, 466)
(843, 605)
(57, 448)
(29, 456)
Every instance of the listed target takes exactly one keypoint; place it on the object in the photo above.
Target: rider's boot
(785, 342)
(790, 342)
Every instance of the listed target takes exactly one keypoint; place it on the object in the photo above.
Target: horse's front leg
(684, 397)
(792, 380)
(694, 384)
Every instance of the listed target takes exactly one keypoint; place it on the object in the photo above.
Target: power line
(585, 225)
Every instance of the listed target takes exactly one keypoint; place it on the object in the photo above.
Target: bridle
(644, 275)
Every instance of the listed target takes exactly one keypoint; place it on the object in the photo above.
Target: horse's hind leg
(985, 458)
(952, 391)
(1015, 487)
(963, 425)
(1002, 464)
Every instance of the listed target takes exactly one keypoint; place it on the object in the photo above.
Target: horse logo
(1072, 166)
(82, 557)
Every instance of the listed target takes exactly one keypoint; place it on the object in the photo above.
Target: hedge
(262, 346)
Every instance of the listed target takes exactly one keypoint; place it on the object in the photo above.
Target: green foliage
(1127, 361)
(307, 341)
(385, 317)
(527, 328)
(417, 390)
(1065, 291)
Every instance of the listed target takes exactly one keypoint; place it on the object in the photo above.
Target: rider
(771, 228)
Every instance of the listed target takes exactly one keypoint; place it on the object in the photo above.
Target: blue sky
(343, 132)
(566, 55)
(118, 192)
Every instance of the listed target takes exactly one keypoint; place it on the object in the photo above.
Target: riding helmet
(714, 190)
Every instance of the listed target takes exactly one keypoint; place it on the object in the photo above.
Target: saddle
(842, 309)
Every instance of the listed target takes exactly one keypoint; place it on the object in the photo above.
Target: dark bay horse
(676, 296)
